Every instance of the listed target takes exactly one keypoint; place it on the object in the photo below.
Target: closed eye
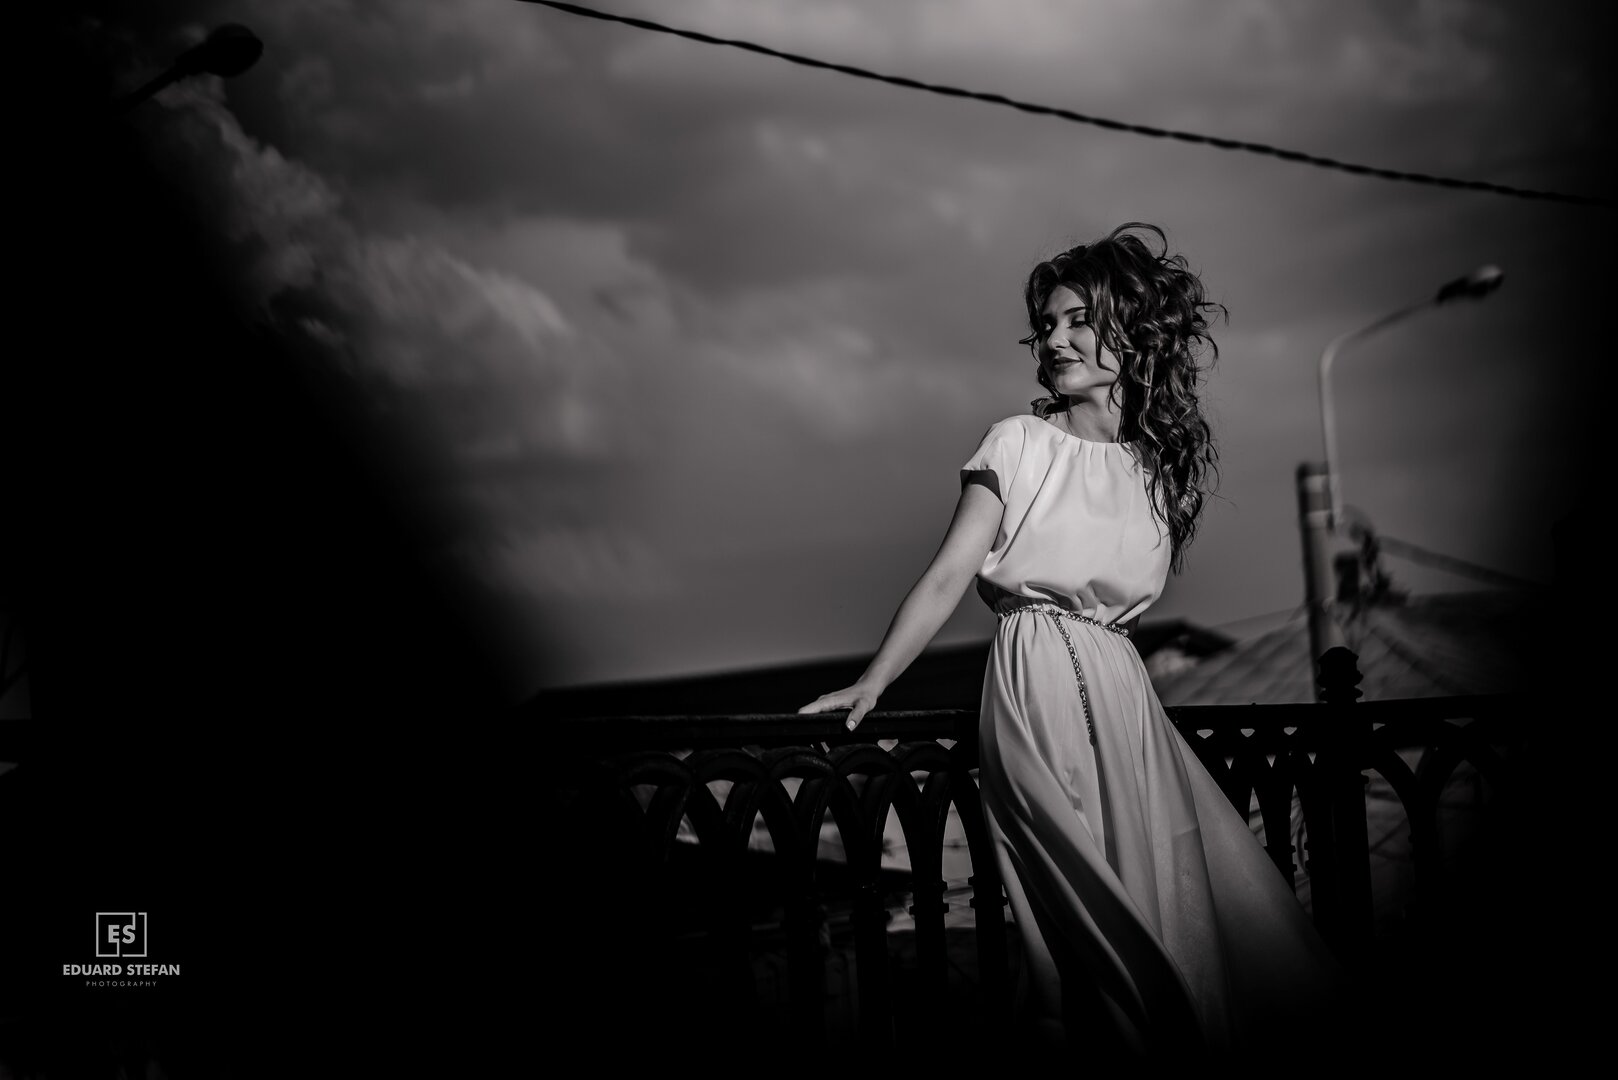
(1076, 322)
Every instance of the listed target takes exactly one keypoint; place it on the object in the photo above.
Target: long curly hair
(1150, 311)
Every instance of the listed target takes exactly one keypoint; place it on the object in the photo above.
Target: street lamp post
(1476, 285)
(227, 51)
(1320, 510)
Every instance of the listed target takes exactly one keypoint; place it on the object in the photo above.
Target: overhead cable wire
(1080, 118)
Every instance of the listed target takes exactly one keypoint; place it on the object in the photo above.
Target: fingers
(837, 699)
(857, 704)
(826, 703)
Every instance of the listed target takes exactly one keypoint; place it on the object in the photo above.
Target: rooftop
(1408, 647)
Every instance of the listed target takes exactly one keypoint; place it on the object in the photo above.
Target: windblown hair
(1148, 310)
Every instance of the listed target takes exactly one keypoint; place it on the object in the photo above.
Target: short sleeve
(998, 455)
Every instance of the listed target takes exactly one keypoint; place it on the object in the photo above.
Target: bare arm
(930, 601)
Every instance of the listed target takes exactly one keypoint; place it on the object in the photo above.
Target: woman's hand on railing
(858, 699)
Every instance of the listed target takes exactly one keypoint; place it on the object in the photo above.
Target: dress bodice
(1077, 528)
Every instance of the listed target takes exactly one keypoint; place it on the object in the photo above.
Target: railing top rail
(1377, 712)
(756, 729)
(21, 740)
(697, 731)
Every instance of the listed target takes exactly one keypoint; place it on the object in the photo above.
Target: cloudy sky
(694, 341)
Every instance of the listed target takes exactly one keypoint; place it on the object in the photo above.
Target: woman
(1147, 910)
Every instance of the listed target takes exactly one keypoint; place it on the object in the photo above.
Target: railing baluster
(1342, 756)
(805, 919)
(926, 845)
(1275, 807)
(922, 818)
(988, 905)
(1320, 848)
(871, 967)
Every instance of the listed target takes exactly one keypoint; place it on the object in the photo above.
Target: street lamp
(1319, 509)
(228, 51)
(1474, 286)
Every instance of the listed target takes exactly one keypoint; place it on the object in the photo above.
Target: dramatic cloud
(699, 338)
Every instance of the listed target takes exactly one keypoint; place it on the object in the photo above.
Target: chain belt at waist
(1052, 609)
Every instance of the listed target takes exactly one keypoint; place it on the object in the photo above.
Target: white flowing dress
(1127, 868)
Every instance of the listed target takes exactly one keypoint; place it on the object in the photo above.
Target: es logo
(120, 933)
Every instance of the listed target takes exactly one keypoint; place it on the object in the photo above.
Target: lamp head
(1476, 285)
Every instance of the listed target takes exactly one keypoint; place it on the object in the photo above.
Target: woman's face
(1068, 351)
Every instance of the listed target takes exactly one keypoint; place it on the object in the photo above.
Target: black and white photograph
(985, 536)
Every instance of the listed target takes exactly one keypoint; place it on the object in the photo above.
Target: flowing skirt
(1141, 897)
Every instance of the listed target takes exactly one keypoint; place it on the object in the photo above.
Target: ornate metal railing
(664, 810)
(631, 781)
